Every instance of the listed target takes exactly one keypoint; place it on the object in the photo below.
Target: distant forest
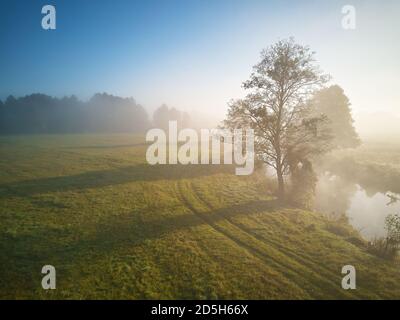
(40, 113)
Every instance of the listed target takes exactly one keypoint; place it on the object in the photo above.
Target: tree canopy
(286, 133)
(333, 103)
(164, 114)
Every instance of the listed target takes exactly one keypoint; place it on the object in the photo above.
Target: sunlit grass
(115, 227)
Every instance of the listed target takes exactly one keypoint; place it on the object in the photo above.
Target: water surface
(365, 209)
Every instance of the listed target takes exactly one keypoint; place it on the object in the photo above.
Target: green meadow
(115, 227)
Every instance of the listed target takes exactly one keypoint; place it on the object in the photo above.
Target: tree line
(105, 113)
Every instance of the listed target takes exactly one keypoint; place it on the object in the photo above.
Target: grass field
(115, 227)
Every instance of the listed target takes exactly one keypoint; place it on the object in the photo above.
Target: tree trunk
(281, 184)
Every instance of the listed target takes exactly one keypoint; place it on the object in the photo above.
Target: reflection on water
(366, 209)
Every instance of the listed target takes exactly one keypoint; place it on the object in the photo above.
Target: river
(366, 210)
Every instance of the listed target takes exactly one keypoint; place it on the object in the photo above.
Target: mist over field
(379, 127)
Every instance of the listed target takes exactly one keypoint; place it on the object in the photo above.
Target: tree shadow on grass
(117, 234)
(104, 178)
(70, 251)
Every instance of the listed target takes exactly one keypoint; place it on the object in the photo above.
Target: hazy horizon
(195, 55)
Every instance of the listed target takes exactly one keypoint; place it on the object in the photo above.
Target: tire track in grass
(249, 249)
(288, 270)
(304, 259)
(292, 257)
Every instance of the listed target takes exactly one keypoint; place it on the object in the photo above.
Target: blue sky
(193, 54)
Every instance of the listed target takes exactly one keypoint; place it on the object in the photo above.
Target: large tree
(286, 134)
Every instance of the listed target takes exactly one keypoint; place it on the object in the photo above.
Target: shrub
(380, 248)
(388, 247)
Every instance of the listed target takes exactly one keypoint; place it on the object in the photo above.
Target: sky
(195, 54)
